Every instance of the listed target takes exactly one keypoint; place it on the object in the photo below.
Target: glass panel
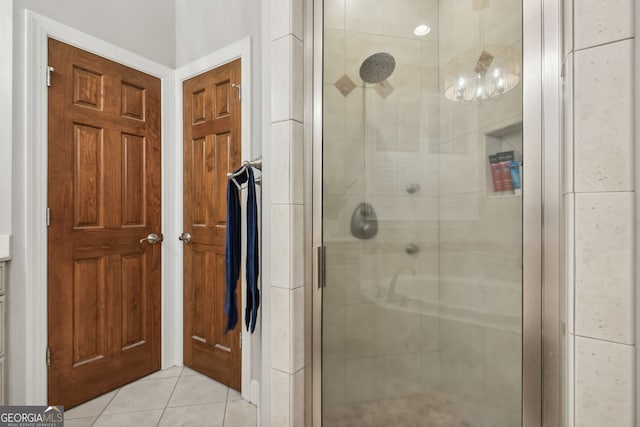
(422, 213)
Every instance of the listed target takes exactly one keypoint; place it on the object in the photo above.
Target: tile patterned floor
(169, 398)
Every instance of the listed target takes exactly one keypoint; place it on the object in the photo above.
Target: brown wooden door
(211, 149)
(104, 196)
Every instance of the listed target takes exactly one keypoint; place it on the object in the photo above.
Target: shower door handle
(321, 255)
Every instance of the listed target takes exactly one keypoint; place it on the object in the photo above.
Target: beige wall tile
(503, 363)
(296, 271)
(498, 411)
(400, 375)
(431, 372)
(461, 207)
(401, 17)
(287, 241)
(280, 402)
(334, 14)
(287, 329)
(281, 154)
(602, 21)
(281, 328)
(281, 245)
(287, 150)
(364, 379)
(567, 125)
(569, 260)
(569, 380)
(297, 398)
(567, 26)
(604, 266)
(401, 331)
(333, 335)
(363, 331)
(334, 377)
(286, 18)
(281, 79)
(297, 329)
(500, 25)
(297, 163)
(334, 57)
(453, 42)
(604, 384)
(462, 347)
(286, 79)
(297, 80)
(364, 16)
(603, 110)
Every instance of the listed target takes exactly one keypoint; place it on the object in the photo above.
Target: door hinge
(240, 338)
(48, 217)
(48, 356)
(50, 70)
(239, 87)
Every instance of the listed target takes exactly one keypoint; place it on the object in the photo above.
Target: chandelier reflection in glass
(482, 73)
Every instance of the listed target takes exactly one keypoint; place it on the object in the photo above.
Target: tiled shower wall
(286, 279)
(599, 202)
(480, 230)
(378, 139)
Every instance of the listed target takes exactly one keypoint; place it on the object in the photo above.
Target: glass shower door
(422, 213)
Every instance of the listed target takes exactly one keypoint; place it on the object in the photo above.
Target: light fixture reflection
(482, 73)
(422, 30)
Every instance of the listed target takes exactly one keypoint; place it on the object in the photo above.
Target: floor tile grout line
(186, 405)
(169, 399)
(226, 405)
(105, 406)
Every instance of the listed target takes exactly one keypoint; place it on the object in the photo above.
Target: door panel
(104, 196)
(211, 150)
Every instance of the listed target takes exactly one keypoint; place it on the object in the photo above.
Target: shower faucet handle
(412, 188)
(412, 249)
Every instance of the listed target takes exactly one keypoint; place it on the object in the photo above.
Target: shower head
(377, 68)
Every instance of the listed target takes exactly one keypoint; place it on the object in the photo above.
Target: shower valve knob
(412, 249)
(413, 188)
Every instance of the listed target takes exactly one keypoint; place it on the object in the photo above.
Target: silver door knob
(153, 238)
(185, 237)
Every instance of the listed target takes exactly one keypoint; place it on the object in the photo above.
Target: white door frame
(242, 50)
(38, 30)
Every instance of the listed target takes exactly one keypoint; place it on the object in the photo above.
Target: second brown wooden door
(212, 148)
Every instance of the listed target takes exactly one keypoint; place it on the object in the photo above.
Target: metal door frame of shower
(542, 246)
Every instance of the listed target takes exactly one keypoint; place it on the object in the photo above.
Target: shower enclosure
(422, 292)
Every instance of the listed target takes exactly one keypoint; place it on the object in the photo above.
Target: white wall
(6, 61)
(204, 26)
(145, 27)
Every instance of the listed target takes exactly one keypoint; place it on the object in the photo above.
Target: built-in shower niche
(502, 146)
